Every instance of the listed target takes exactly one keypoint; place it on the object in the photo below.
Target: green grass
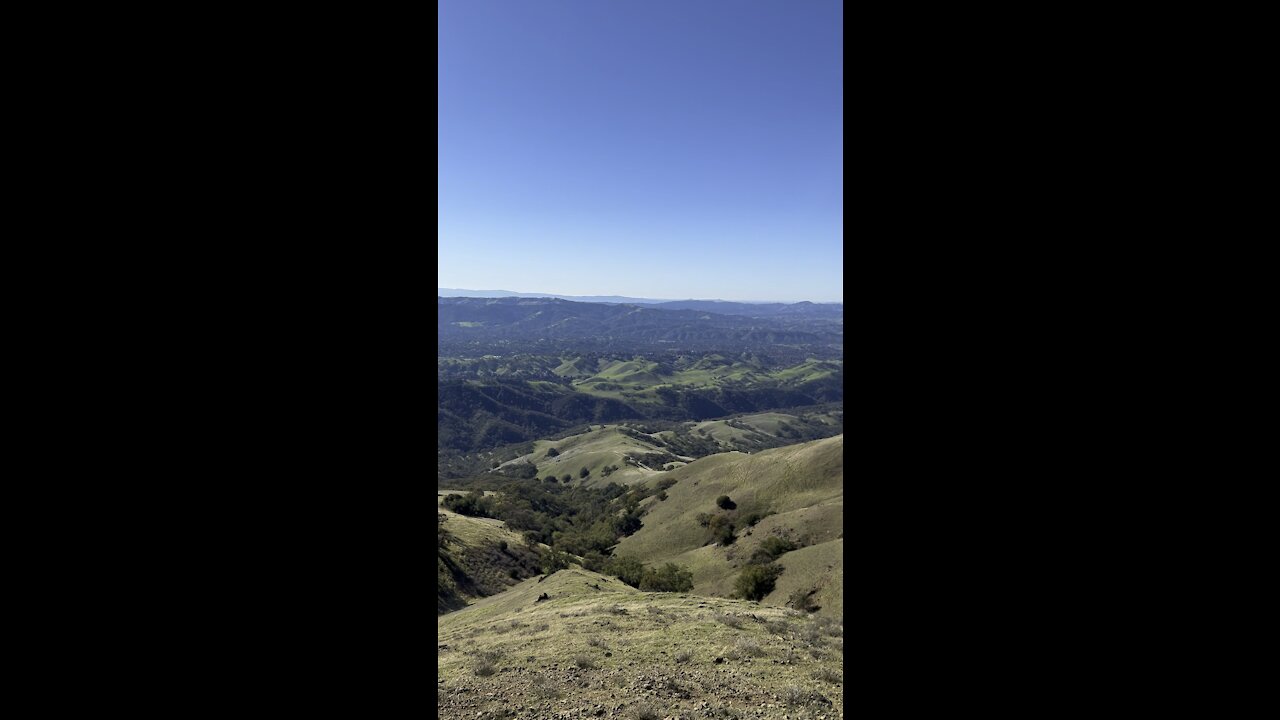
(803, 484)
(604, 445)
(819, 566)
(638, 380)
(474, 532)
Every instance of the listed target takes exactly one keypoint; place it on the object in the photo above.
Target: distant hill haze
(722, 307)
(551, 318)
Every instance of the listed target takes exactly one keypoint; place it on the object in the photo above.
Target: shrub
(502, 545)
(669, 578)
(777, 546)
(628, 570)
(552, 452)
(554, 560)
(565, 478)
(799, 697)
(645, 712)
(703, 519)
(724, 503)
(828, 675)
(771, 549)
(583, 472)
(732, 621)
(594, 561)
(721, 531)
(595, 642)
(473, 504)
(777, 627)
(812, 636)
(484, 669)
(584, 662)
(756, 581)
(662, 495)
(803, 600)
(750, 647)
(683, 656)
(665, 483)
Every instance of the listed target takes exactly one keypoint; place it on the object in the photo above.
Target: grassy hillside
(472, 561)
(489, 402)
(596, 449)
(802, 485)
(598, 648)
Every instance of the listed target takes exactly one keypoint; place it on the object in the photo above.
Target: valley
(639, 511)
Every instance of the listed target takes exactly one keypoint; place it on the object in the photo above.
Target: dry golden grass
(675, 659)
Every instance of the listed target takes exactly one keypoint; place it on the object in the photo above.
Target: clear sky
(647, 148)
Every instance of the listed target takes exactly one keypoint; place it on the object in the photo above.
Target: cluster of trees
(667, 578)
(581, 521)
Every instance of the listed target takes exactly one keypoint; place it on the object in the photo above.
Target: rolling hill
(801, 485)
(599, 450)
(577, 644)
(477, 557)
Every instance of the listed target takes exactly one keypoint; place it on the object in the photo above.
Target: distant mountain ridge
(552, 319)
(455, 292)
(722, 307)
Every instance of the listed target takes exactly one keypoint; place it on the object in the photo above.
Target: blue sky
(648, 148)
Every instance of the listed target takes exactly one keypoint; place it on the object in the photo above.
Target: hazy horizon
(642, 148)
(548, 293)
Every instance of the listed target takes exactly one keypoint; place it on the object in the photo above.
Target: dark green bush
(721, 530)
(474, 504)
(668, 578)
(554, 560)
(595, 561)
(771, 549)
(628, 570)
(756, 581)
